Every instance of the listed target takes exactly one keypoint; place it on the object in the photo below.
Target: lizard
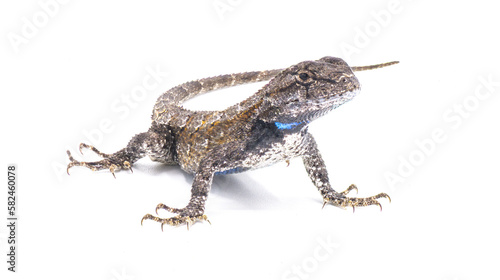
(268, 127)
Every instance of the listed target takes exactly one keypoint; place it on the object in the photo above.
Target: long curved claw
(147, 217)
(127, 165)
(349, 189)
(160, 206)
(112, 168)
(324, 203)
(383, 195)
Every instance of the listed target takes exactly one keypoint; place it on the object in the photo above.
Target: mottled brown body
(196, 141)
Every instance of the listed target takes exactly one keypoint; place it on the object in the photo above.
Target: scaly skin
(269, 127)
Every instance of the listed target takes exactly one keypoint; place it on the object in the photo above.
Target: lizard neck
(248, 109)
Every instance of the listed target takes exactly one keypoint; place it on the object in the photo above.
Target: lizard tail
(371, 67)
(183, 92)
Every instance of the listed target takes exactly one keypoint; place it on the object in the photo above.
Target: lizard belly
(239, 148)
(268, 153)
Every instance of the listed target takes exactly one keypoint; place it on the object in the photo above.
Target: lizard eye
(304, 78)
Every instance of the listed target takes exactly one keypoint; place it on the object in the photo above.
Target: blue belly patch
(286, 126)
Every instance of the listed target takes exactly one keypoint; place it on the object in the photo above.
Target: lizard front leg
(155, 143)
(316, 170)
(195, 209)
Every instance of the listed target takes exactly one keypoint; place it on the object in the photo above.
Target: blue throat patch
(286, 126)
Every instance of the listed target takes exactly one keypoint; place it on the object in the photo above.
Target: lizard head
(310, 89)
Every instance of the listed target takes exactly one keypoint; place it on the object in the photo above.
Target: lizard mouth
(315, 108)
(335, 100)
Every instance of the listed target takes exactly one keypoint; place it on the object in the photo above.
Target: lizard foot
(177, 220)
(113, 162)
(186, 216)
(342, 201)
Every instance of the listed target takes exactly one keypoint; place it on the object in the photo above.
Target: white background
(71, 77)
